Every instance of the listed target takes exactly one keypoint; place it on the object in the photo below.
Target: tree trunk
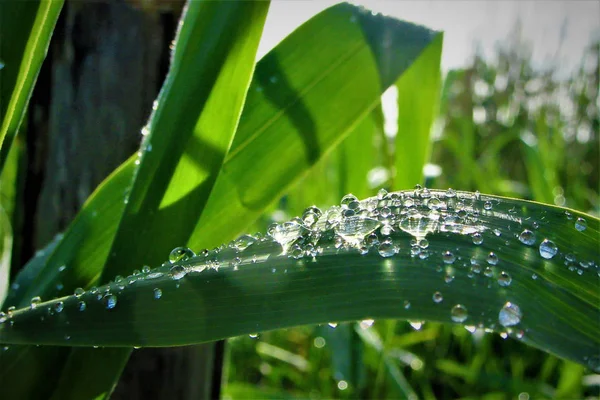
(106, 63)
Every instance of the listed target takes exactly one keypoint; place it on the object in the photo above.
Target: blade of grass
(25, 31)
(511, 282)
(418, 101)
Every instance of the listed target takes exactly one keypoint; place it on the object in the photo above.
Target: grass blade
(26, 28)
(522, 268)
(418, 101)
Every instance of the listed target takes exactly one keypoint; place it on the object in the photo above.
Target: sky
(467, 24)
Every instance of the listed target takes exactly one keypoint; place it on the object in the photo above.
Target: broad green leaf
(26, 28)
(527, 270)
(306, 97)
(418, 102)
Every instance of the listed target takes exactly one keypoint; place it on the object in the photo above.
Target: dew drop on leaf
(79, 292)
(177, 272)
(437, 297)
(81, 305)
(580, 224)
(350, 202)
(110, 301)
(448, 257)
(243, 242)
(386, 249)
(157, 293)
(58, 307)
(180, 254)
(477, 238)
(504, 279)
(34, 302)
(459, 313)
(527, 237)
(510, 314)
(548, 249)
(492, 258)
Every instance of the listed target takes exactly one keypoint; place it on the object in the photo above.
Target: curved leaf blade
(260, 288)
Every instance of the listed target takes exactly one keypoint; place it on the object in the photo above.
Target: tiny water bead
(180, 254)
(548, 249)
(33, 303)
(510, 314)
(459, 313)
(527, 237)
(477, 238)
(448, 257)
(580, 224)
(157, 293)
(81, 306)
(437, 297)
(492, 258)
(504, 279)
(110, 301)
(59, 306)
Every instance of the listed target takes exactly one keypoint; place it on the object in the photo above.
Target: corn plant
(226, 139)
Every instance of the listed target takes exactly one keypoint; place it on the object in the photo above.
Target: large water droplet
(492, 258)
(180, 254)
(527, 237)
(79, 292)
(177, 272)
(459, 313)
(580, 224)
(477, 238)
(437, 297)
(510, 314)
(110, 301)
(354, 229)
(548, 249)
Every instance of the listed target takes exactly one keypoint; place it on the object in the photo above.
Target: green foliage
(222, 152)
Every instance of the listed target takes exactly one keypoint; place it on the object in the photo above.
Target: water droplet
(178, 272)
(416, 325)
(382, 194)
(157, 293)
(311, 215)
(110, 301)
(386, 230)
(477, 238)
(504, 279)
(569, 215)
(350, 202)
(180, 254)
(527, 237)
(386, 249)
(285, 233)
(3, 317)
(487, 205)
(35, 301)
(253, 335)
(243, 242)
(437, 297)
(489, 272)
(366, 323)
(354, 229)
(448, 278)
(448, 257)
(492, 258)
(81, 305)
(62, 268)
(79, 292)
(450, 193)
(548, 249)
(580, 224)
(333, 324)
(510, 314)
(58, 307)
(459, 313)
(406, 304)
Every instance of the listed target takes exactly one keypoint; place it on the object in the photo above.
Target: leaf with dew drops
(503, 284)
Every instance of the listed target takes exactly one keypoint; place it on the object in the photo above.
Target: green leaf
(522, 268)
(26, 28)
(303, 102)
(418, 102)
